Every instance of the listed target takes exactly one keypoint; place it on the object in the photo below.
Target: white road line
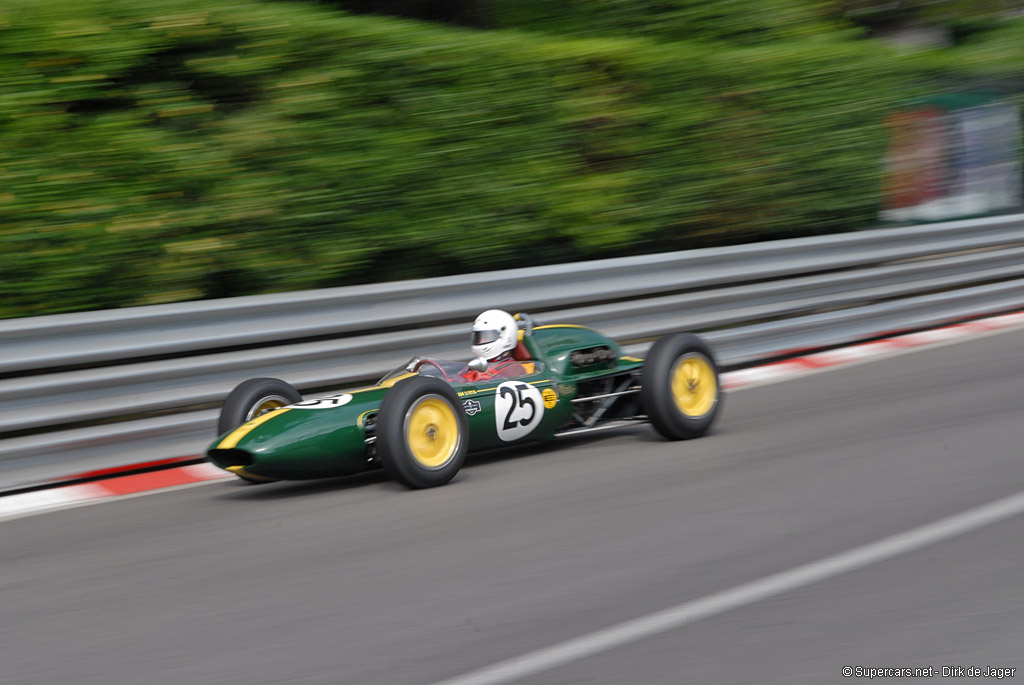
(38, 502)
(748, 593)
(28, 505)
(734, 381)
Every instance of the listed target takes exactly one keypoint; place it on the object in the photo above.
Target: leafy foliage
(875, 12)
(209, 149)
(737, 21)
(733, 21)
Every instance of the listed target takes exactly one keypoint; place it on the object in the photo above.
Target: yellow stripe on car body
(242, 473)
(235, 436)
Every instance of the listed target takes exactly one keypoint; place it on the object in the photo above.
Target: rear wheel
(680, 386)
(422, 432)
(252, 399)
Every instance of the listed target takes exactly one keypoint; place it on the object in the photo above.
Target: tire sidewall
(392, 445)
(656, 391)
(248, 394)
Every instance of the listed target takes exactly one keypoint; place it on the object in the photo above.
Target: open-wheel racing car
(419, 421)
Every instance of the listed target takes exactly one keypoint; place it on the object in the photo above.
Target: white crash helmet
(494, 332)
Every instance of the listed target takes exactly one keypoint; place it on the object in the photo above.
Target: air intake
(226, 458)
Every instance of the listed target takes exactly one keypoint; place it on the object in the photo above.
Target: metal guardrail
(752, 301)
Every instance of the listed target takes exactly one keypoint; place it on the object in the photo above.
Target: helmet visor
(485, 337)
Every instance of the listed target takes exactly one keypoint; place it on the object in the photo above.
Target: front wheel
(422, 432)
(252, 399)
(680, 386)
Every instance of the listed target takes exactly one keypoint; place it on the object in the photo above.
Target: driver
(495, 335)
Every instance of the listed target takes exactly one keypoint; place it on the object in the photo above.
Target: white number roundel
(329, 402)
(518, 408)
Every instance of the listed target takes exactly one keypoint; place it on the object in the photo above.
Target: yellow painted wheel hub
(694, 385)
(432, 431)
(266, 405)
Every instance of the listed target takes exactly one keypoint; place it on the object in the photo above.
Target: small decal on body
(472, 407)
(550, 398)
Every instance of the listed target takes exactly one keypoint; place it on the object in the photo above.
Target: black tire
(431, 404)
(253, 398)
(699, 400)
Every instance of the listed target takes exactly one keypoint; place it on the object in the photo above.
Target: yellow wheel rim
(266, 405)
(432, 431)
(694, 385)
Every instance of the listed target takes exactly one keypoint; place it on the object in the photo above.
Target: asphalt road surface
(358, 581)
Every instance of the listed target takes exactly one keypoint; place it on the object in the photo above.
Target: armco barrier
(752, 301)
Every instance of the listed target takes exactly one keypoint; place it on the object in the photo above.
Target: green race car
(420, 421)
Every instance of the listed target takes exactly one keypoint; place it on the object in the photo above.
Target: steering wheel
(434, 364)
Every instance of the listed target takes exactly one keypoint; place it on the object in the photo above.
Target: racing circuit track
(359, 581)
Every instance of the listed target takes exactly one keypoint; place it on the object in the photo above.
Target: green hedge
(733, 21)
(205, 149)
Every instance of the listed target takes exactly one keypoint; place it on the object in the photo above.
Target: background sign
(952, 162)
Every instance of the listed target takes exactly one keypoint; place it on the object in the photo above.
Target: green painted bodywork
(300, 443)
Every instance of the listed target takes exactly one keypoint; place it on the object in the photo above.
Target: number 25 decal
(518, 408)
(329, 402)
